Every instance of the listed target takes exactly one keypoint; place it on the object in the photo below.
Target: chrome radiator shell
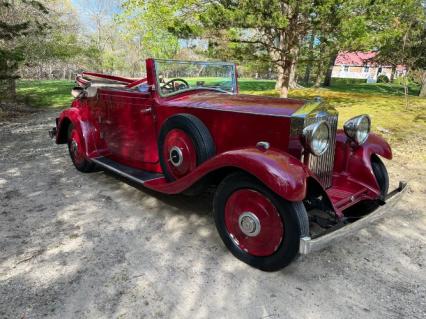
(313, 112)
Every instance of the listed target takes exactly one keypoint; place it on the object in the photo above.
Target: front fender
(375, 144)
(282, 173)
(355, 161)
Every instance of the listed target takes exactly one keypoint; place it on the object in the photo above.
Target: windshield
(178, 76)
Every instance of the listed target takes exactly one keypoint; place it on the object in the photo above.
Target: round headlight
(317, 137)
(358, 128)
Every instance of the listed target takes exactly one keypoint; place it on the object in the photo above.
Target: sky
(85, 7)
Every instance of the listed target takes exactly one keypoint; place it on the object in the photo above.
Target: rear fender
(85, 129)
(358, 158)
(282, 173)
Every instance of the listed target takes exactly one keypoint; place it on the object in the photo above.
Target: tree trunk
(319, 75)
(327, 80)
(423, 89)
(280, 75)
(307, 76)
(12, 88)
(286, 77)
(292, 82)
(8, 89)
(308, 69)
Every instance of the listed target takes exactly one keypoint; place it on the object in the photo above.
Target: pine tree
(18, 20)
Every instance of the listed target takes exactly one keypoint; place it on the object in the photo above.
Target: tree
(339, 26)
(146, 24)
(48, 54)
(402, 40)
(19, 20)
(276, 31)
(262, 29)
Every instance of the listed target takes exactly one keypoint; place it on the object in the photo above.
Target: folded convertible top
(87, 79)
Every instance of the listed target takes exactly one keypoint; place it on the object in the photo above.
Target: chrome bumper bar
(308, 245)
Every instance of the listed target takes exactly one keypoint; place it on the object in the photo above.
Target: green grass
(45, 94)
(379, 88)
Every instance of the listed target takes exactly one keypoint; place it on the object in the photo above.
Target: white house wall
(359, 72)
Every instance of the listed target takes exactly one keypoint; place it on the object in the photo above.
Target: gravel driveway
(76, 245)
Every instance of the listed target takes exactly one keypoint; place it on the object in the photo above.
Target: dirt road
(76, 245)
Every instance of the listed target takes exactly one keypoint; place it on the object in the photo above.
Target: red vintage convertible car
(288, 180)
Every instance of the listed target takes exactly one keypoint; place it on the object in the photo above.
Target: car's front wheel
(256, 225)
(76, 150)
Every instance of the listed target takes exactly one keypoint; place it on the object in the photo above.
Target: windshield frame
(219, 63)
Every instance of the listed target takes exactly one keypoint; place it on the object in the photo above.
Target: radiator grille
(322, 166)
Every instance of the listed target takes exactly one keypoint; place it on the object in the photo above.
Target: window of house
(366, 69)
(346, 68)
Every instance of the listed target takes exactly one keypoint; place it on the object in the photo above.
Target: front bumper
(308, 245)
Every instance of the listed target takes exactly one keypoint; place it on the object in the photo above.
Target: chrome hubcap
(249, 224)
(175, 156)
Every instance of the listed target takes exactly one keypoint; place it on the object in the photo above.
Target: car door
(130, 129)
(98, 109)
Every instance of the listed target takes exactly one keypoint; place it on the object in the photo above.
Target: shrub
(342, 81)
(382, 79)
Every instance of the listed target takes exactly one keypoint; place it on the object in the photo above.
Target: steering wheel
(172, 87)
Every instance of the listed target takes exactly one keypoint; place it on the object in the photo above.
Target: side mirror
(77, 92)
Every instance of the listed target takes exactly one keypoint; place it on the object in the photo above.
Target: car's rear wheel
(184, 143)
(381, 174)
(256, 225)
(76, 150)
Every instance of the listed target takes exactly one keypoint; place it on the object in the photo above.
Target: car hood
(241, 103)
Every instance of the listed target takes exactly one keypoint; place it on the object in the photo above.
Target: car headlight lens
(358, 128)
(317, 137)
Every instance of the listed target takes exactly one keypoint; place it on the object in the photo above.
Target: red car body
(123, 125)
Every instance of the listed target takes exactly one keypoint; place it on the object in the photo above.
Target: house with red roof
(361, 65)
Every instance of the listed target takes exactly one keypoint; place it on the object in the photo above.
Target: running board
(135, 175)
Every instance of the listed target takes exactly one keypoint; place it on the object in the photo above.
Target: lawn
(51, 93)
(384, 103)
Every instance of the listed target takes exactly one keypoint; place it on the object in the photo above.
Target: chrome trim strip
(313, 112)
(308, 245)
(322, 166)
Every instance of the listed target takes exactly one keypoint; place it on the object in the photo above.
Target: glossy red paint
(108, 77)
(241, 103)
(353, 178)
(136, 83)
(123, 124)
(180, 151)
(263, 231)
(282, 173)
(82, 82)
(77, 115)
